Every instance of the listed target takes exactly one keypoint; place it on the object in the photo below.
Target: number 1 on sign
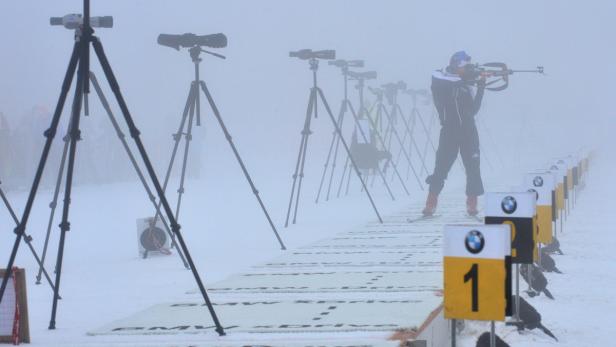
(473, 276)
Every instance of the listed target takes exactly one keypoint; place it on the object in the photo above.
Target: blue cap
(459, 58)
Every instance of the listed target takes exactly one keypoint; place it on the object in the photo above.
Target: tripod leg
(113, 83)
(366, 140)
(407, 155)
(49, 133)
(422, 157)
(187, 140)
(423, 125)
(348, 150)
(26, 238)
(75, 136)
(240, 161)
(393, 165)
(350, 174)
(429, 137)
(190, 101)
(133, 161)
(329, 154)
(399, 155)
(342, 177)
(413, 119)
(54, 203)
(335, 160)
(301, 168)
(305, 134)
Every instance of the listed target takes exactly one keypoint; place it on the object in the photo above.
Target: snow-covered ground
(104, 280)
(583, 309)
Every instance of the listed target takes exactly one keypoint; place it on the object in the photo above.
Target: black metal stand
(363, 115)
(391, 131)
(27, 238)
(414, 116)
(335, 143)
(81, 57)
(122, 137)
(315, 94)
(192, 108)
(347, 165)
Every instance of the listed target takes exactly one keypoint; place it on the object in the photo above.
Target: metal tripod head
(82, 26)
(391, 91)
(313, 61)
(344, 66)
(195, 44)
(361, 78)
(195, 54)
(313, 56)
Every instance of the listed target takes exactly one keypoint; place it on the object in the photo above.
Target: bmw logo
(509, 204)
(474, 241)
(534, 191)
(538, 181)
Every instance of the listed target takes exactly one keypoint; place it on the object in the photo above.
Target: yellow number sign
(474, 271)
(542, 184)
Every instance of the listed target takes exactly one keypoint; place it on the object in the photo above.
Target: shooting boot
(431, 203)
(471, 205)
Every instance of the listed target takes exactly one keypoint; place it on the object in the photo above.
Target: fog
(262, 95)
(261, 91)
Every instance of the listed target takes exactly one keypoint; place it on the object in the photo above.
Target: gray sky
(259, 89)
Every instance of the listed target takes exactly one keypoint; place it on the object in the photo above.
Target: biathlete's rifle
(497, 74)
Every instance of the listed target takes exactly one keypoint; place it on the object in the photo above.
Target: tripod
(27, 238)
(315, 94)
(122, 137)
(192, 108)
(391, 131)
(346, 165)
(79, 64)
(374, 127)
(334, 145)
(416, 115)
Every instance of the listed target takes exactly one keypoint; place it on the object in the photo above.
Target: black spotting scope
(367, 75)
(75, 20)
(341, 63)
(191, 40)
(306, 54)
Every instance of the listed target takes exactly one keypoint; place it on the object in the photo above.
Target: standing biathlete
(457, 101)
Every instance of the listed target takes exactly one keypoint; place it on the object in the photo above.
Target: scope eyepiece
(305, 54)
(191, 40)
(75, 20)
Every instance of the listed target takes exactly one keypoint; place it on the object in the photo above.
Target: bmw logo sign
(509, 204)
(538, 181)
(534, 191)
(474, 241)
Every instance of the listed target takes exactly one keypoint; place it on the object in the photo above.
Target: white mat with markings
(377, 278)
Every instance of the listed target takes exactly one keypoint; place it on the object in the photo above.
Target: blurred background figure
(6, 151)
(28, 141)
